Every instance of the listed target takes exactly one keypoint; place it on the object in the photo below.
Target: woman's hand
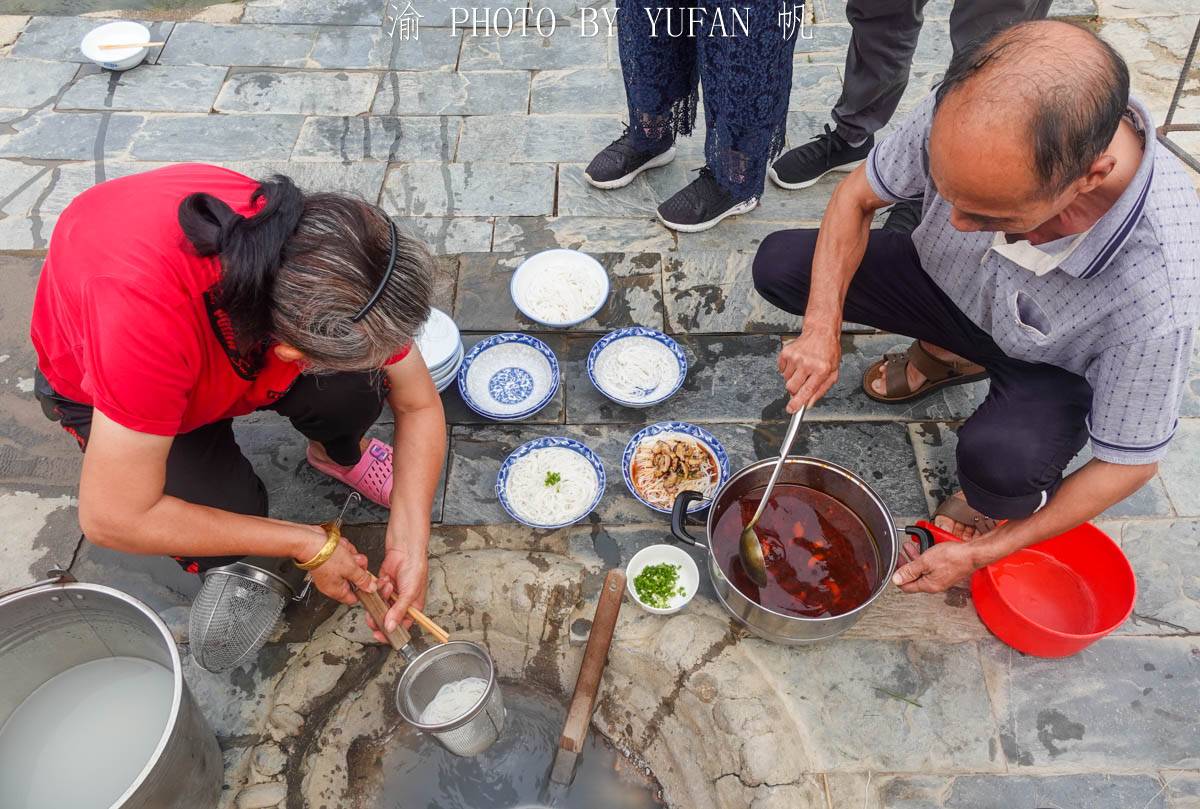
(809, 365)
(341, 573)
(403, 574)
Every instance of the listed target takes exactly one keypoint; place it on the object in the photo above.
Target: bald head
(1054, 88)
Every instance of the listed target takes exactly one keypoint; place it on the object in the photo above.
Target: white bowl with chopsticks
(117, 45)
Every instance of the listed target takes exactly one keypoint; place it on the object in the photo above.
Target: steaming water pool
(513, 773)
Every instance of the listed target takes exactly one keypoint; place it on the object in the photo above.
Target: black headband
(387, 275)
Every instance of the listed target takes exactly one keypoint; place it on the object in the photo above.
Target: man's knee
(782, 265)
(1004, 473)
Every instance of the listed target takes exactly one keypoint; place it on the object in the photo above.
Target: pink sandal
(371, 476)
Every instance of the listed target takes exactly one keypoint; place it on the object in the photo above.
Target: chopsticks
(435, 631)
(115, 46)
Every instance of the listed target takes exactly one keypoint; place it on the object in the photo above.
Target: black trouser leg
(205, 466)
(1013, 449)
(335, 410)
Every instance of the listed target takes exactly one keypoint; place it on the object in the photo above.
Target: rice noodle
(453, 700)
(636, 369)
(691, 468)
(560, 293)
(565, 500)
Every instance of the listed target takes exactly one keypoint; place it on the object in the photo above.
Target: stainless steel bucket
(823, 476)
(52, 626)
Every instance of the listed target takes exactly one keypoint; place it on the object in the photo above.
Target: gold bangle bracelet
(331, 544)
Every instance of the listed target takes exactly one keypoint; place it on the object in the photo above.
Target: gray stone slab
(591, 11)
(201, 43)
(298, 93)
(730, 379)
(815, 87)
(357, 46)
(825, 40)
(566, 48)
(591, 234)
(297, 491)
(447, 235)
(39, 463)
(322, 12)
(1181, 469)
(1183, 789)
(641, 198)
(586, 91)
(363, 178)
(951, 730)
(536, 138)
(877, 452)
(470, 189)
(58, 38)
(1190, 406)
(1091, 790)
(1122, 703)
(714, 292)
(457, 412)
(162, 88)
(491, 19)
(485, 304)
(1165, 555)
(1074, 9)
(28, 83)
(32, 233)
(406, 139)
(937, 443)
(491, 92)
(216, 137)
(69, 135)
(933, 44)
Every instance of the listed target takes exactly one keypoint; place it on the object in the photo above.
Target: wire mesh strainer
(235, 612)
(476, 729)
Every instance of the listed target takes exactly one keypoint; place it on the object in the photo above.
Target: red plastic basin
(1054, 598)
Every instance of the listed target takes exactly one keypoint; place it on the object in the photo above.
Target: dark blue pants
(1013, 449)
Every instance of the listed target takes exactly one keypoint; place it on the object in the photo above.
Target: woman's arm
(122, 506)
(419, 449)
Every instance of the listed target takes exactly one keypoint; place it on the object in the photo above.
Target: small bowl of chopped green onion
(662, 579)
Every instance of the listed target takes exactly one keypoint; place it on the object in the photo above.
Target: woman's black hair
(250, 249)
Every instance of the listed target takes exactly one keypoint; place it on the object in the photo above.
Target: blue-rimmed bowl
(691, 431)
(548, 443)
(663, 388)
(508, 376)
(534, 273)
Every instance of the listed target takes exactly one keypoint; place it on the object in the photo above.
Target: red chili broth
(821, 559)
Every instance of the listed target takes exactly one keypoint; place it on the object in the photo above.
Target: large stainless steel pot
(823, 476)
(55, 625)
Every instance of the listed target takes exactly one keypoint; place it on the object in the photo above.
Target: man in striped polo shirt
(1058, 255)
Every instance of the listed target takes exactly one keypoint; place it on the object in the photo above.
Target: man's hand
(938, 569)
(809, 365)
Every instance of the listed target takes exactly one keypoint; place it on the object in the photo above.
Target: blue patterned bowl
(656, 391)
(546, 443)
(508, 377)
(691, 431)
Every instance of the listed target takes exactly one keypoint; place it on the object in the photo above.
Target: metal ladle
(750, 547)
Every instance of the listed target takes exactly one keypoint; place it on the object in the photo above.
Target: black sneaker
(804, 165)
(903, 217)
(621, 161)
(701, 204)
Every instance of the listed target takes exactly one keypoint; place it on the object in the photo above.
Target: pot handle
(679, 515)
(927, 535)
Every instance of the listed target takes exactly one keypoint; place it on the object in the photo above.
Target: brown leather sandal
(938, 374)
(957, 509)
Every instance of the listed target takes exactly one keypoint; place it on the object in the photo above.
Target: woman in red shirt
(173, 301)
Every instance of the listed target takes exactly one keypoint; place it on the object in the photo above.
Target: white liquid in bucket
(83, 736)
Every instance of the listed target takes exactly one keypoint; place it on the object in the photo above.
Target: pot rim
(885, 580)
(168, 640)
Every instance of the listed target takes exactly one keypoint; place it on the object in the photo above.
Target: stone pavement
(477, 144)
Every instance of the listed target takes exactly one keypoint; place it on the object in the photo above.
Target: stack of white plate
(442, 347)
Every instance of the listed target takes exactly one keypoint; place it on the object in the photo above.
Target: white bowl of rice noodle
(550, 482)
(559, 287)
